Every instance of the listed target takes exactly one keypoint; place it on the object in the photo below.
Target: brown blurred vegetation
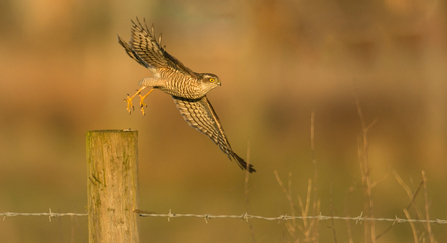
(62, 73)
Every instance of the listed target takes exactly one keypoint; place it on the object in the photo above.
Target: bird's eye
(212, 80)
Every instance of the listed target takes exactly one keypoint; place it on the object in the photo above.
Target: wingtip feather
(244, 165)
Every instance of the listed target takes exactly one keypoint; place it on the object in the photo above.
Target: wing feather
(131, 52)
(200, 115)
(145, 45)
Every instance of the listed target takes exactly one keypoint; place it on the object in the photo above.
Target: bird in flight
(187, 88)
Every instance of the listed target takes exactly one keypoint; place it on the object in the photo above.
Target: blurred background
(63, 73)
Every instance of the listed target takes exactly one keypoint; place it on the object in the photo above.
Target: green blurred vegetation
(62, 73)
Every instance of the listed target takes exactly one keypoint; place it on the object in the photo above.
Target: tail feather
(241, 162)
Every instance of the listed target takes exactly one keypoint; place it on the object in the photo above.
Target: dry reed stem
(316, 203)
(309, 228)
(348, 228)
(411, 195)
(413, 228)
(332, 219)
(427, 213)
(317, 221)
(292, 205)
(412, 200)
(348, 225)
(290, 226)
(247, 199)
(363, 157)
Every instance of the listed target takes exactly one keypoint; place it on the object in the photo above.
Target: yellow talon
(130, 107)
(129, 99)
(142, 104)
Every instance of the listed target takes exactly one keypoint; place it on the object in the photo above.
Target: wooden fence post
(112, 186)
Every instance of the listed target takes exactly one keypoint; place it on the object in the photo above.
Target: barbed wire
(50, 214)
(244, 216)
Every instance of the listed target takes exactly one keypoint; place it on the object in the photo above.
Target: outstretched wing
(131, 52)
(147, 51)
(200, 115)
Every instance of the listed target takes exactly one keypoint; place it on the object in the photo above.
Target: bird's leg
(142, 104)
(130, 107)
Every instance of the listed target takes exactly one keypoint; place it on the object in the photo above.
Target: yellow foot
(142, 104)
(130, 107)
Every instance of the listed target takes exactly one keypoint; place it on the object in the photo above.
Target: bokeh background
(62, 73)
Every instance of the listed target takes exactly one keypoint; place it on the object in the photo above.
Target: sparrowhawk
(188, 88)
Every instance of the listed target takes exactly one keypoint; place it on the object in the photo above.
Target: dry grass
(308, 230)
(309, 227)
(418, 234)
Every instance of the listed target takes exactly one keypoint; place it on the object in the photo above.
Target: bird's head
(209, 81)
